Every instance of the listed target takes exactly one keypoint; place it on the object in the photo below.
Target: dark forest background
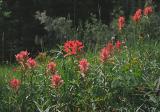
(18, 26)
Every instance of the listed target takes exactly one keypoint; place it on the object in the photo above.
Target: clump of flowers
(106, 52)
(137, 16)
(121, 22)
(15, 84)
(31, 63)
(25, 61)
(72, 47)
(148, 10)
(56, 80)
(83, 66)
(51, 67)
(23, 55)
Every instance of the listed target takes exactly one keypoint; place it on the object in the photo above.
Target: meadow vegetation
(118, 70)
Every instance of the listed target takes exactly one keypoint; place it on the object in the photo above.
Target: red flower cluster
(31, 63)
(24, 60)
(121, 22)
(22, 56)
(56, 80)
(83, 65)
(107, 51)
(51, 67)
(15, 84)
(148, 10)
(137, 16)
(72, 47)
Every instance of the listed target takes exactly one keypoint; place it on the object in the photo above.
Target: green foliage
(127, 81)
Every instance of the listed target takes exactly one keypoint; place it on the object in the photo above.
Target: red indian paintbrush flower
(121, 22)
(106, 52)
(19, 57)
(118, 44)
(51, 66)
(72, 47)
(31, 63)
(137, 16)
(24, 53)
(110, 46)
(148, 10)
(83, 65)
(22, 56)
(15, 83)
(56, 80)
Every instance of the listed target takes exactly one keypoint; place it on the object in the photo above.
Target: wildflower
(110, 46)
(121, 22)
(15, 83)
(56, 80)
(19, 57)
(148, 10)
(31, 63)
(118, 44)
(137, 16)
(22, 56)
(51, 66)
(83, 65)
(24, 53)
(72, 47)
(106, 52)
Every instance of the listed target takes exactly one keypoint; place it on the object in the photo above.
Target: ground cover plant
(122, 75)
